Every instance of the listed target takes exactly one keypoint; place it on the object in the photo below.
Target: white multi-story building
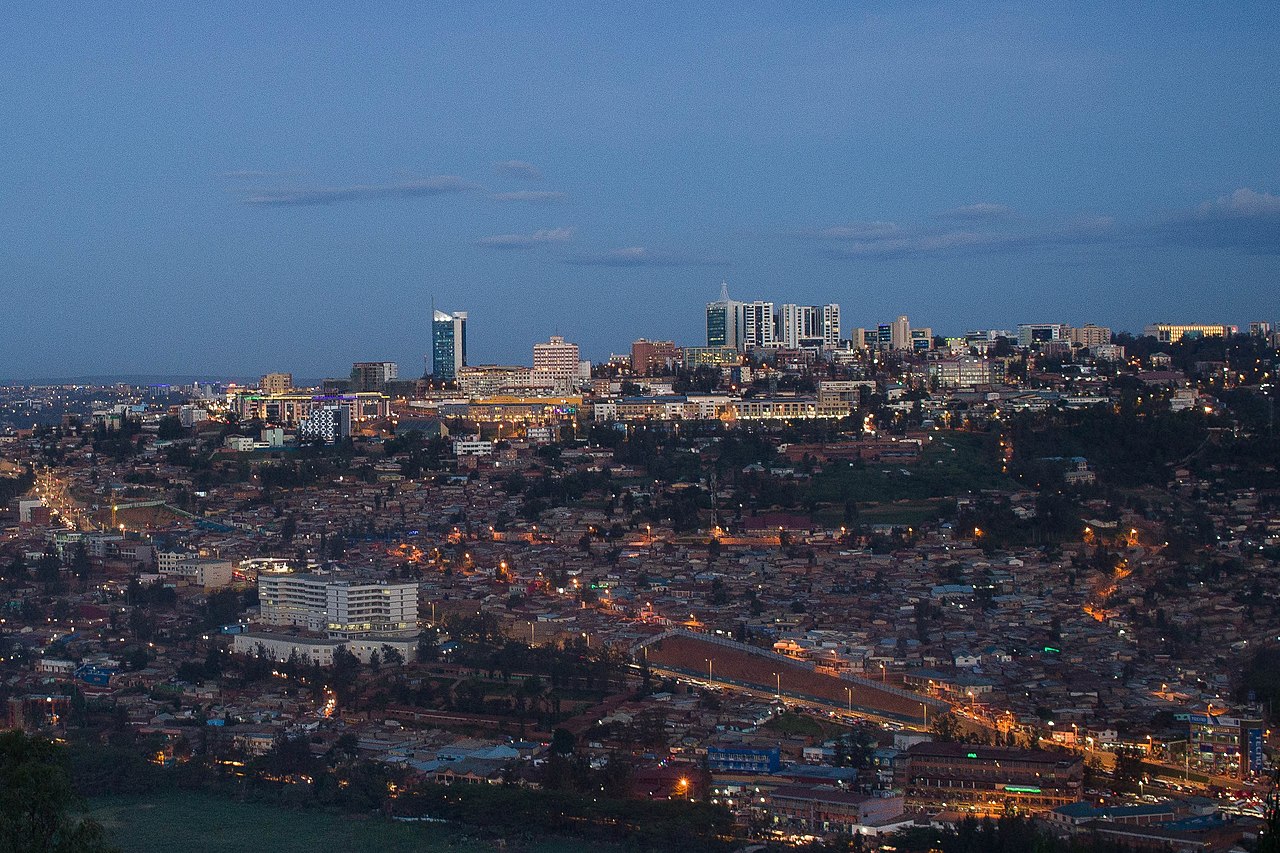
(758, 328)
(809, 326)
(318, 651)
(206, 572)
(342, 608)
(556, 356)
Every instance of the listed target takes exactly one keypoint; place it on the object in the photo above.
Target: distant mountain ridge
(130, 379)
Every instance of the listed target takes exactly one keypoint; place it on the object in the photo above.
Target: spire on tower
(724, 291)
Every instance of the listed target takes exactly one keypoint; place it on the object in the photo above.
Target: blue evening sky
(233, 188)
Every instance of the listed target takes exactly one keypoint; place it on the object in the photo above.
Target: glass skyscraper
(448, 344)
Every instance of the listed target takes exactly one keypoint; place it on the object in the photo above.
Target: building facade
(276, 383)
(341, 608)
(987, 779)
(448, 344)
(373, 375)
(1171, 333)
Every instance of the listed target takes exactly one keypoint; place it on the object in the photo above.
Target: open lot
(203, 823)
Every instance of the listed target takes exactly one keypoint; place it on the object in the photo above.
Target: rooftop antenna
(724, 291)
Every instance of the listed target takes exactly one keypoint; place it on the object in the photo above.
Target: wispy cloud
(639, 256)
(921, 243)
(888, 240)
(518, 169)
(527, 241)
(978, 212)
(253, 174)
(433, 186)
(530, 196)
(1246, 221)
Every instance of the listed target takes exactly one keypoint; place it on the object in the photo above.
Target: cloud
(923, 243)
(530, 196)
(526, 241)
(253, 174)
(518, 169)
(980, 211)
(858, 231)
(433, 186)
(639, 256)
(888, 240)
(1246, 221)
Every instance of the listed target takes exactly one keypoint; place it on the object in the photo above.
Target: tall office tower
(556, 357)
(809, 326)
(448, 344)
(276, 383)
(831, 326)
(725, 321)
(758, 325)
(900, 333)
(373, 375)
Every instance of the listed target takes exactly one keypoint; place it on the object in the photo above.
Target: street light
(848, 691)
(778, 679)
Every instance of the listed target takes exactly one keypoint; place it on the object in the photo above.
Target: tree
(562, 742)
(35, 800)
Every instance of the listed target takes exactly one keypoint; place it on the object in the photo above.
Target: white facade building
(343, 608)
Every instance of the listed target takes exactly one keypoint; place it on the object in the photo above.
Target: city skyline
(188, 184)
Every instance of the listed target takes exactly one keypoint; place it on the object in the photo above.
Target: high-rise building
(556, 357)
(725, 321)
(276, 383)
(758, 325)
(373, 375)
(900, 333)
(1090, 336)
(448, 344)
(801, 326)
(648, 355)
(831, 326)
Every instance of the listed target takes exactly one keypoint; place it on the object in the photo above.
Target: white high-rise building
(809, 326)
(831, 326)
(758, 325)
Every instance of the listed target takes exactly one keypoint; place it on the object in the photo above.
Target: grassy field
(199, 823)
(953, 463)
(804, 726)
(902, 512)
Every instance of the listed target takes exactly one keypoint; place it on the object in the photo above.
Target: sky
(228, 189)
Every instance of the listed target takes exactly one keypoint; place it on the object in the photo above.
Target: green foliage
(35, 799)
(517, 813)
